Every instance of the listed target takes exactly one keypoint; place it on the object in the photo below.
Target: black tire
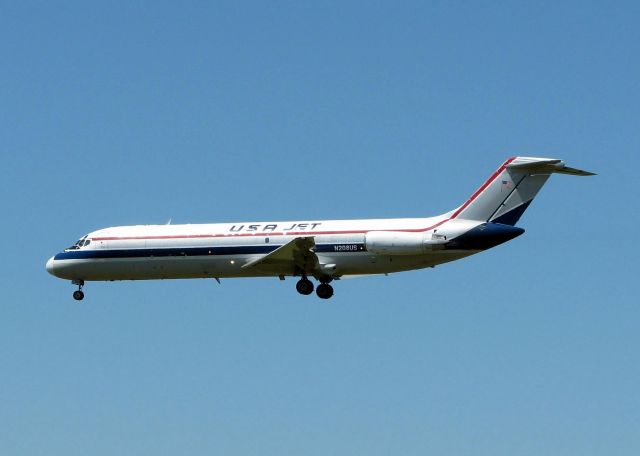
(78, 295)
(324, 291)
(304, 286)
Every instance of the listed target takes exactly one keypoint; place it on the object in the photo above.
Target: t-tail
(495, 208)
(505, 196)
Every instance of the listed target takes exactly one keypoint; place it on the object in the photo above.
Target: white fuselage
(221, 250)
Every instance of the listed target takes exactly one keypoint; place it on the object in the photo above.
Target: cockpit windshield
(81, 243)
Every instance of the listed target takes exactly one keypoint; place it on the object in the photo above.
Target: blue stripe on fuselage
(186, 251)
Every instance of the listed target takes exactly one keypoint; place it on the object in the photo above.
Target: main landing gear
(78, 295)
(324, 291)
(304, 286)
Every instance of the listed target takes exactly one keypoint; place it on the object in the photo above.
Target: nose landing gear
(78, 295)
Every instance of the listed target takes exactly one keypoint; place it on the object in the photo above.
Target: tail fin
(505, 196)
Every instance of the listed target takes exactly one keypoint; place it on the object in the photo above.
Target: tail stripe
(519, 179)
(512, 217)
(483, 186)
(515, 187)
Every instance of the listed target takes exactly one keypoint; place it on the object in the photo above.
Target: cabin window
(266, 240)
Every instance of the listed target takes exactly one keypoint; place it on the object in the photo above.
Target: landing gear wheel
(324, 291)
(304, 286)
(78, 295)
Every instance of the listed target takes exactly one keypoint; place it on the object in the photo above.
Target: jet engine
(401, 243)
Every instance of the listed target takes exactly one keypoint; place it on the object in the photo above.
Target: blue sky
(122, 113)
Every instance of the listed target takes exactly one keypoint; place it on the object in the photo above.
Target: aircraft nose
(50, 266)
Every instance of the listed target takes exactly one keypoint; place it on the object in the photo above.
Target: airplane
(325, 250)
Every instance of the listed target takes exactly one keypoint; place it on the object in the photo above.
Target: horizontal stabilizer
(574, 171)
(545, 166)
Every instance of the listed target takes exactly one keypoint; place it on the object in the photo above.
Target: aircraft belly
(142, 268)
(366, 263)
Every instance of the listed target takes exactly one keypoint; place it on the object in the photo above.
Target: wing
(295, 255)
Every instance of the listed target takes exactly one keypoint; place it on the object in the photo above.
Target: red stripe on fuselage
(312, 233)
(290, 233)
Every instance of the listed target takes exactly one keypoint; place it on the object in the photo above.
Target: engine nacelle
(395, 243)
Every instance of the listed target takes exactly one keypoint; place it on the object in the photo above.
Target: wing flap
(297, 252)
